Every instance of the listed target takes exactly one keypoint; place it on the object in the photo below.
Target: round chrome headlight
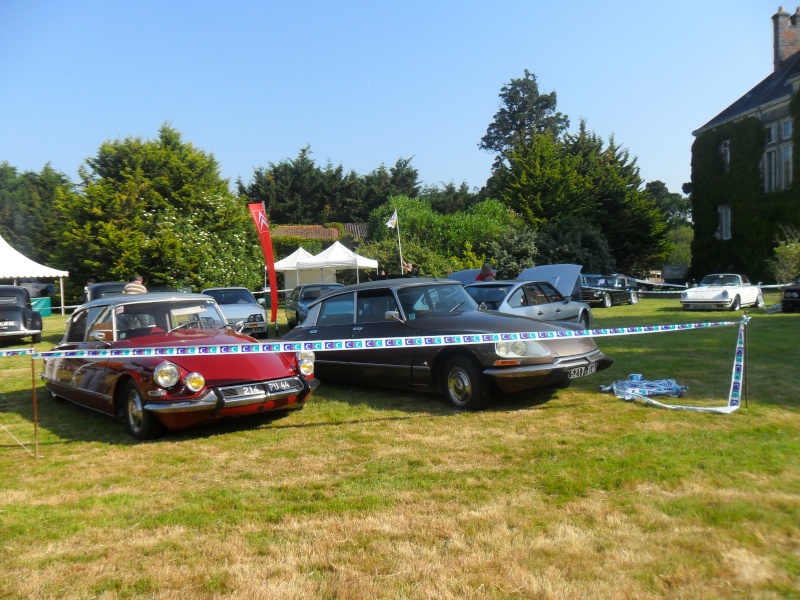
(194, 381)
(166, 375)
(305, 362)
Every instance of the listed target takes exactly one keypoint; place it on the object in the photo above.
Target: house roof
(776, 87)
(310, 232)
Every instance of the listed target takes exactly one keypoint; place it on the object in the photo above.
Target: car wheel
(760, 300)
(634, 298)
(36, 338)
(464, 385)
(606, 300)
(141, 424)
(296, 319)
(737, 302)
(584, 320)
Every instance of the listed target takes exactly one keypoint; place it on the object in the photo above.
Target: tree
(576, 241)
(450, 199)
(159, 208)
(785, 266)
(524, 113)
(677, 209)
(27, 214)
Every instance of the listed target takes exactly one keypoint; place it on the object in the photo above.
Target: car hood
(224, 368)
(478, 322)
(565, 278)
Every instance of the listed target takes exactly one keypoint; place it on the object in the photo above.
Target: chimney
(786, 37)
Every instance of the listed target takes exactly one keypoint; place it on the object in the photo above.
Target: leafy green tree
(450, 199)
(27, 214)
(575, 241)
(517, 250)
(524, 114)
(785, 266)
(676, 208)
(679, 246)
(159, 208)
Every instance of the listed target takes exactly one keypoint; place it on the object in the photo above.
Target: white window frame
(724, 229)
(770, 170)
(786, 152)
(772, 133)
(725, 153)
(786, 129)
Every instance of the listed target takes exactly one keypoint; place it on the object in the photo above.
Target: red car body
(135, 388)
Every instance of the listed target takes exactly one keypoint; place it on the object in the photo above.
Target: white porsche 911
(724, 291)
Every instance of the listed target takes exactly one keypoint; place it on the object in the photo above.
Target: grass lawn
(368, 493)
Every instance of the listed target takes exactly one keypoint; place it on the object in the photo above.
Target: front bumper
(218, 402)
(707, 304)
(515, 379)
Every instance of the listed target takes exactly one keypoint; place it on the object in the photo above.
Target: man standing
(135, 286)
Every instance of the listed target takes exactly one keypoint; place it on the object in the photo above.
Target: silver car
(535, 299)
(240, 306)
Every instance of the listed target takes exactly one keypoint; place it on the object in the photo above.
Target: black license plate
(585, 371)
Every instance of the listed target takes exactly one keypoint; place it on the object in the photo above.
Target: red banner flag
(262, 226)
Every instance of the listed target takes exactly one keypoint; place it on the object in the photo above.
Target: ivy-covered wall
(756, 216)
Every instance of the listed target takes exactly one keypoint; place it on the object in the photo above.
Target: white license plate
(7, 323)
(251, 390)
(581, 371)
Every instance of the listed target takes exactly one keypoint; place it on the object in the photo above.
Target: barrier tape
(371, 343)
(637, 389)
(16, 352)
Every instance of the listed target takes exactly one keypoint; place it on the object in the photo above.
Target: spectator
(135, 286)
(486, 273)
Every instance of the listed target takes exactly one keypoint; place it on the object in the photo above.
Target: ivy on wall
(756, 216)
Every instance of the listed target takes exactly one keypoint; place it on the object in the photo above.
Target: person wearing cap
(135, 286)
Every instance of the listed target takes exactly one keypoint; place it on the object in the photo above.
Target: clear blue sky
(367, 82)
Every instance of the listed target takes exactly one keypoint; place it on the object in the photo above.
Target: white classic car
(724, 291)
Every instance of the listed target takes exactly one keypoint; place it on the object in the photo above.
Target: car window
(373, 306)
(440, 300)
(76, 331)
(550, 293)
(489, 295)
(517, 298)
(339, 310)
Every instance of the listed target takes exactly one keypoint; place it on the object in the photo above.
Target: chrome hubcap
(459, 385)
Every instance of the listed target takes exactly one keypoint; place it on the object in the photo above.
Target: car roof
(391, 284)
(232, 287)
(149, 297)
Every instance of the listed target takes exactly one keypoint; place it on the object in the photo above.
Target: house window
(772, 133)
(786, 166)
(770, 170)
(724, 229)
(786, 129)
(725, 153)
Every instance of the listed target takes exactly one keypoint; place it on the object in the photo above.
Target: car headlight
(305, 362)
(166, 375)
(194, 381)
(724, 295)
(255, 317)
(520, 348)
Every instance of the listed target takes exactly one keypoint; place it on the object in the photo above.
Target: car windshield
(434, 300)
(312, 292)
(720, 280)
(493, 294)
(145, 318)
(231, 296)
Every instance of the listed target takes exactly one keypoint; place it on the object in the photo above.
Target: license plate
(282, 385)
(251, 390)
(7, 323)
(581, 371)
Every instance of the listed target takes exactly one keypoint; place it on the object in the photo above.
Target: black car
(436, 310)
(303, 295)
(18, 320)
(106, 289)
(609, 290)
(790, 297)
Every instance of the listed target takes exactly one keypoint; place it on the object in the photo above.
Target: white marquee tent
(15, 265)
(294, 277)
(335, 257)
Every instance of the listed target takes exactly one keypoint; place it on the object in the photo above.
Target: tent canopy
(14, 265)
(337, 256)
(293, 277)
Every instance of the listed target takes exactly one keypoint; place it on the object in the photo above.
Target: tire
(737, 303)
(464, 385)
(760, 300)
(584, 320)
(634, 298)
(607, 300)
(141, 424)
(296, 319)
(35, 339)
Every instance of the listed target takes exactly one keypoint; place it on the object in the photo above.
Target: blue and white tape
(371, 343)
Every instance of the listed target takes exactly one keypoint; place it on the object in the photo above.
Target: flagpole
(399, 246)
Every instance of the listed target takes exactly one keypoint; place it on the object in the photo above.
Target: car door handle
(358, 328)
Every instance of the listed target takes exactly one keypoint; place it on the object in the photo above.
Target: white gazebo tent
(294, 277)
(335, 257)
(15, 265)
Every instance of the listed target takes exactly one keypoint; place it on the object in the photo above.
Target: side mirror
(392, 315)
(239, 326)
(567, 299)
(98, 336)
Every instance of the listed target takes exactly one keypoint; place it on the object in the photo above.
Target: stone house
(745, 176)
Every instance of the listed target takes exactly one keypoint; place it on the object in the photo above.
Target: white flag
(392, 223)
